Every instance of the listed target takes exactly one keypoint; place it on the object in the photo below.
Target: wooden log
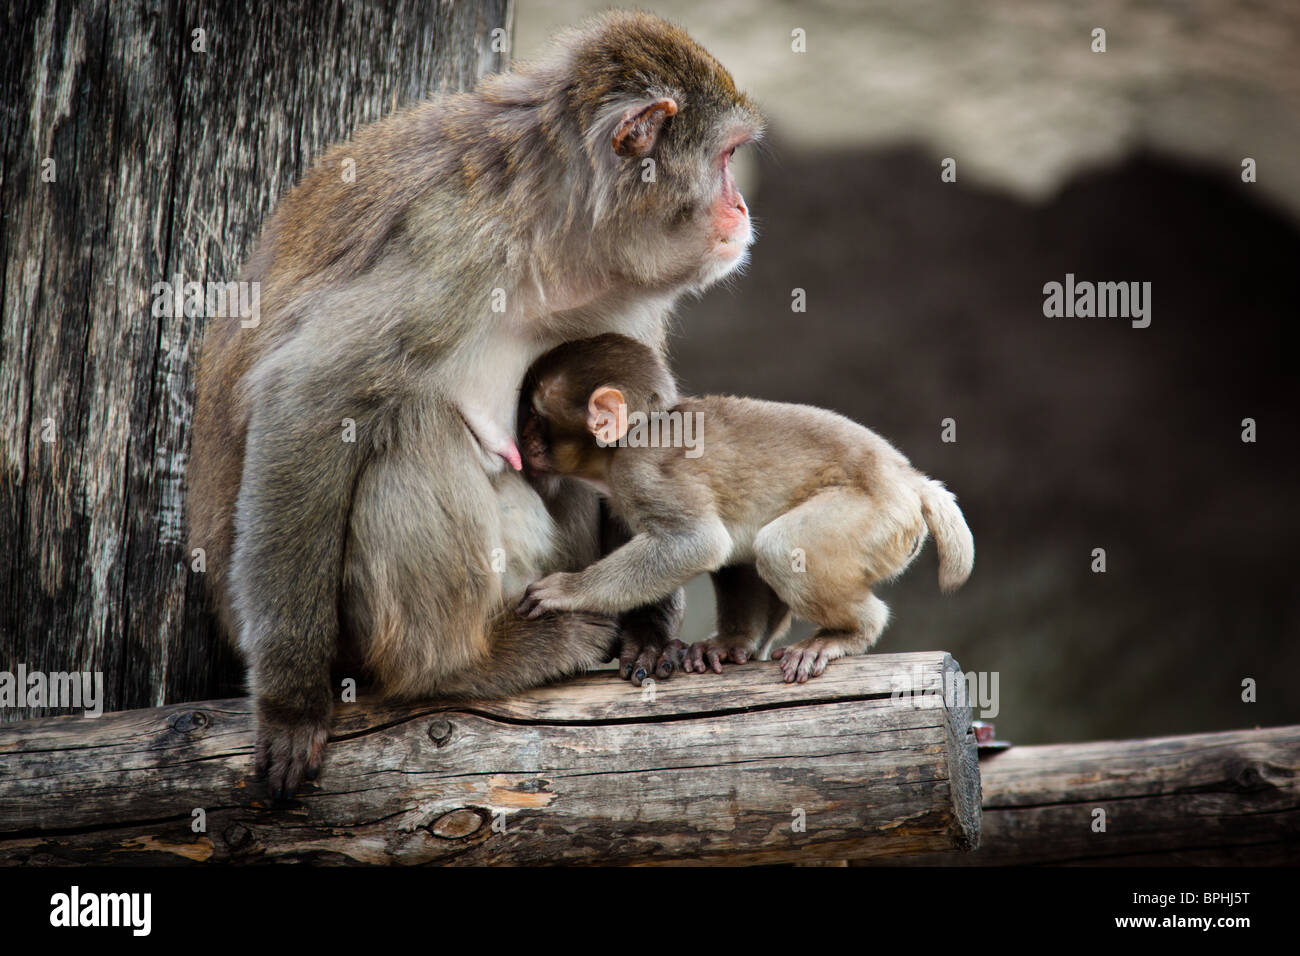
(698, 769)
(1201, 799)
(134, 149)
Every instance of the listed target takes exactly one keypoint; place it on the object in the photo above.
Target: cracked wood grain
(707, 769)
(129, 157)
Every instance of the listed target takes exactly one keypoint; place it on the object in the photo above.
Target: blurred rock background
(924, 302)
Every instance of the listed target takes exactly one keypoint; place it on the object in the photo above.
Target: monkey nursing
(479, 230)
(791, 508)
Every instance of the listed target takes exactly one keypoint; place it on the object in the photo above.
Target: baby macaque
(821, 508)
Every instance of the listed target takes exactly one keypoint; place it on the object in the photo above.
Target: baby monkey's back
(765, 457)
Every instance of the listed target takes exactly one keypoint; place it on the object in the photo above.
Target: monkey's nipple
(510, 452)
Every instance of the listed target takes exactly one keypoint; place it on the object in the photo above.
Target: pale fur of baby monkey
(790, 507)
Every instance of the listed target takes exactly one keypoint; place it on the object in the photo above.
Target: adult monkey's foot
(288, 750)
(648, 645)
(645, 656)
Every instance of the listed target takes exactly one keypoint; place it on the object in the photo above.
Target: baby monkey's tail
(953, 537)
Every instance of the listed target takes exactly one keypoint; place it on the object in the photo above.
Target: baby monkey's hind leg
(809, 657)
(822, 558)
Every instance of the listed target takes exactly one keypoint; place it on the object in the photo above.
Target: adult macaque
(822, 508)
(582, 194)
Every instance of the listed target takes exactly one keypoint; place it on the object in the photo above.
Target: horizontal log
(736, 768)
(1201, 799)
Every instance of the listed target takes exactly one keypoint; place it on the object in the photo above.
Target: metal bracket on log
(871, 759)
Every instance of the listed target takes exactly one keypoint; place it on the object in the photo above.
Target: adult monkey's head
(659, 120)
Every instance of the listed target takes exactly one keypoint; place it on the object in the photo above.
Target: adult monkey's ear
(607, 415)
(638, 130)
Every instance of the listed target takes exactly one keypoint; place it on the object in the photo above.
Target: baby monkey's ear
(607, 415)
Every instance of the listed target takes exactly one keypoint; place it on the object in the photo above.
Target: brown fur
(404, 547)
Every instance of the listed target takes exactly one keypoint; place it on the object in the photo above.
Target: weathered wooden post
(145, 142)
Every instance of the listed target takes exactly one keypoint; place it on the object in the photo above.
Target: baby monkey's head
(577, 398)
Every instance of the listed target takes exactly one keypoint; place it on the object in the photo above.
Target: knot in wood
(189, 722)
(440, 729)
(457, 824)
(237, 836)
(1249, 777)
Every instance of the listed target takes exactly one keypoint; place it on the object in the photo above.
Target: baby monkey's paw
(555, 592)
(711, 654)
(808, 658)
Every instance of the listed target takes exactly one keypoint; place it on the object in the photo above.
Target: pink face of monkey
(734, 231)
(690, 225)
